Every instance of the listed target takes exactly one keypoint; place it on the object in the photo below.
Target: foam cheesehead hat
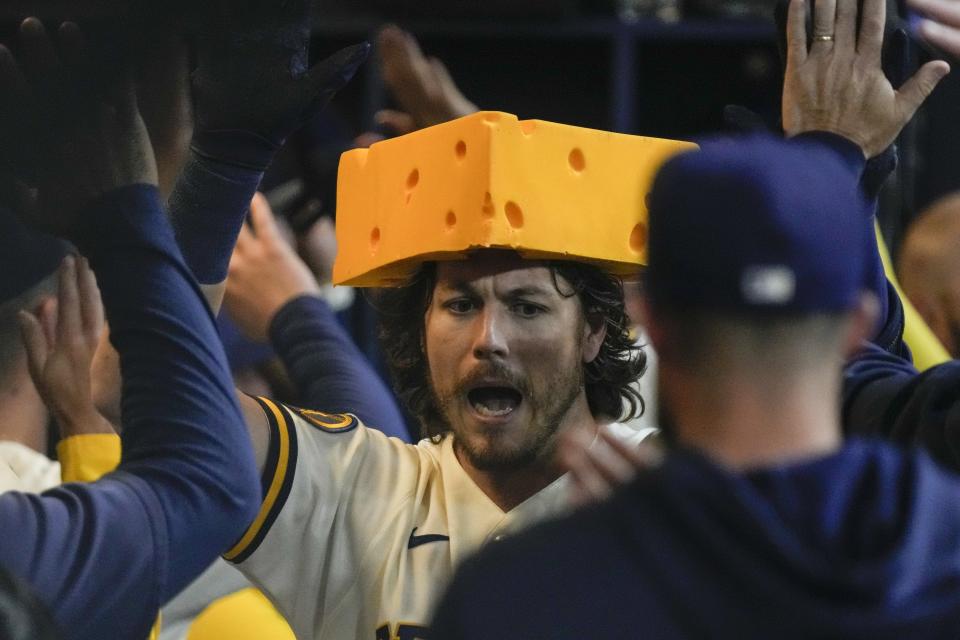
(758, 225)
(26, 256)
(488, 180)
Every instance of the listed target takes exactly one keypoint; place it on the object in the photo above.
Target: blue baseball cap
(758, 225)
(27, 256)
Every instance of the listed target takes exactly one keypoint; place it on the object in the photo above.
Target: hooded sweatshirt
(863, 543)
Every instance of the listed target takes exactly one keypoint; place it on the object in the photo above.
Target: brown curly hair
(608, 378)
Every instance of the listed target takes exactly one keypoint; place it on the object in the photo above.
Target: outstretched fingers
(13, 86)
(330, 75)
(587, 485)
(641, 456)
(945, 11)
(405, 69)
(73, 44)
(262, 219)
(91, 305)
(613, 465)
(69, 324)
(597, 463)
(845, 28)
(873, 19)
(14, 100)
(942, 26)
(397, 121)
(942, 36)
(917, 89)
(39, 55)
(824, 25)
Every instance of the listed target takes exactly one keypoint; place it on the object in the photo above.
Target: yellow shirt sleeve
(927, 350)
(244, 615)
(85, 458)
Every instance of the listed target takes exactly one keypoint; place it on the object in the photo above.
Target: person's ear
(594, 333)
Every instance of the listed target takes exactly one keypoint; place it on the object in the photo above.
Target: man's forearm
(889, 331)
(884, 396)
(207, 208)
(178, 395)
(328, 369)
(187, 486)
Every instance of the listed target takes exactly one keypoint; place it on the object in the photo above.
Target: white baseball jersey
(359, 534)
(23, 469)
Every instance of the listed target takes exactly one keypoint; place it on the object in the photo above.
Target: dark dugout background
(574, 61)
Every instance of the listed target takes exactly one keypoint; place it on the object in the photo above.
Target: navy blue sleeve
(328, 369)
(883, 395)
(889, 331)
(105, 556)
(207, 208)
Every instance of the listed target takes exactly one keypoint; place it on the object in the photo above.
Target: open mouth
(494, 402)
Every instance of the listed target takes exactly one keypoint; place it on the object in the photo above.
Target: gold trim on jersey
(279, 464)
(329, 422)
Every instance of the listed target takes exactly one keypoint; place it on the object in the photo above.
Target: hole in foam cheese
(638, 238)
(486, 209)
(577, 162)
(514, 215)
(565, 192)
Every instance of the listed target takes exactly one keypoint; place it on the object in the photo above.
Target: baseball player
(358, 534)
(375, 565)
(378, 525)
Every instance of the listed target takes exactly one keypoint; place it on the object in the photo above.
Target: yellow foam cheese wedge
(489, 180)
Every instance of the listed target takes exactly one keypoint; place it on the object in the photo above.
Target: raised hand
(68, 132)
(422, 86)
(942, 26)
(265, 273)
(254, 78)
(317, 245)
(837, 84)
(60, 339)
(599, 464)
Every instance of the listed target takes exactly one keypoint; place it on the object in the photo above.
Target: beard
(548, 407)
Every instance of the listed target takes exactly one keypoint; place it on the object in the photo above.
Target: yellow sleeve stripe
(276, 480)
(88, 457)
(329, 422)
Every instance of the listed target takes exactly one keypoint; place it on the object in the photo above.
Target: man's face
(506, 352)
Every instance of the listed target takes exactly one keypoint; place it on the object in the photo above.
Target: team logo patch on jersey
(329, 422)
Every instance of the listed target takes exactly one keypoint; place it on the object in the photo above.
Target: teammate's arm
(253, 88)
(838, 86)
(104, 556)
(884, 395)
(270, 291)
(251, 93)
